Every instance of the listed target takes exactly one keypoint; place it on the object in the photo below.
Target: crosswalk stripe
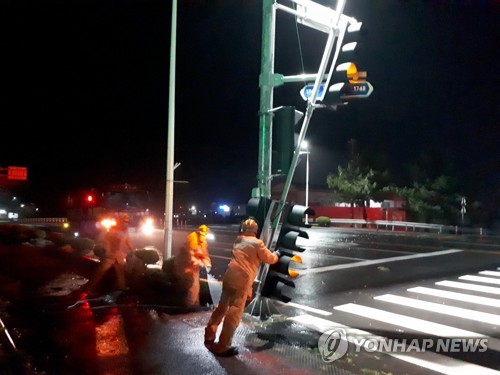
(431, 328)
(441, 309)
(429, 360)
(490, 273)
(487, 280)
(467, 286)
(486, 301)
(305, 308)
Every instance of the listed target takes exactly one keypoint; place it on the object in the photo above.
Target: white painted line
(467, 286)
(342, 257)
(486, 301)
(306, 308)
(490, 273)
(429, 360)
(480, 279)
(458, 312)
(377, 261)
(446, 365)
(431, 328)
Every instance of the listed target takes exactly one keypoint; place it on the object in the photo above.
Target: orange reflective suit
(248, 252)
(187, 264)
(117, 244)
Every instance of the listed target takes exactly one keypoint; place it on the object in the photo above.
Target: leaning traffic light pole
(313, 15)
(335, 24)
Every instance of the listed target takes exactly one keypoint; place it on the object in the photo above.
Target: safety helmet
(249, 225)
(203, 229)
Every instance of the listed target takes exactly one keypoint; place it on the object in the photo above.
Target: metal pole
(266, 85)
(169, 190)
(307, 185)
(305, 146)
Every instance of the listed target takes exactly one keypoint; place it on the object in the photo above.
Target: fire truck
(90, 211)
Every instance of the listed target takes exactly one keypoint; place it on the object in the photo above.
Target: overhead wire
(299, 44)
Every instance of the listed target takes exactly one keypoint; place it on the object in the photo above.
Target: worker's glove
(277, 252)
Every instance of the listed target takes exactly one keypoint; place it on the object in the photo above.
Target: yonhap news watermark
(333, 344)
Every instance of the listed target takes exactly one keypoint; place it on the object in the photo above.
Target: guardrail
(42, 220)
(406, 225)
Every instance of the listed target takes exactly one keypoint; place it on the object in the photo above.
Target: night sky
(84, 87)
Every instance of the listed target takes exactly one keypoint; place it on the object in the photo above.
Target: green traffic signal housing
(282, 273)
(283, 138)
(258, 209)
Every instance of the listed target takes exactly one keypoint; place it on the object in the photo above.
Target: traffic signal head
(283, 139)
(282, 273)
(291, 228)
(347, 81)
(90, 199)
(274, 284)
(258, 208)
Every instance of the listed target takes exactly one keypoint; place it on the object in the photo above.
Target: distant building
(326, 203)
(297, 194)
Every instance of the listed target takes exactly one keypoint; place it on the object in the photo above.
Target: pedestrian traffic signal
(258, 208)
(282, 273)
(283, 139)
(347, 80)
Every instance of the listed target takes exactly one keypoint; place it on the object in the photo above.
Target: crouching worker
(193, 255)
(248, 252)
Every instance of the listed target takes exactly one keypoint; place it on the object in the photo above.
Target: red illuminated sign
(17, 173)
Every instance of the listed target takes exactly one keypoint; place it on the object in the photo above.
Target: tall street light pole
(169, 190)
(306, 152)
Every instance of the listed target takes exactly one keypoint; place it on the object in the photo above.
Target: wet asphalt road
(341, 268)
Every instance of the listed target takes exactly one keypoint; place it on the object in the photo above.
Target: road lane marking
(376, 261)
(490, 273)
(486, 301)
(306, 308)
(428, 359)
(416, 324)
(457, 312)
(467, 286)
(480, 279)
(339, 256)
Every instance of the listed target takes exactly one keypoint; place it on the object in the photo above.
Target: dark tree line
(429, 199)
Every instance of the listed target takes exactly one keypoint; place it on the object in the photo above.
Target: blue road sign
(357, 90)
(307, 90)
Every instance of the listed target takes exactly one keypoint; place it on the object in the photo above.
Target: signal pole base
(261, 307)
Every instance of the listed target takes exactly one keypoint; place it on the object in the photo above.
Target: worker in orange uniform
(117, 245)
(248, 252)
(193, 254)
